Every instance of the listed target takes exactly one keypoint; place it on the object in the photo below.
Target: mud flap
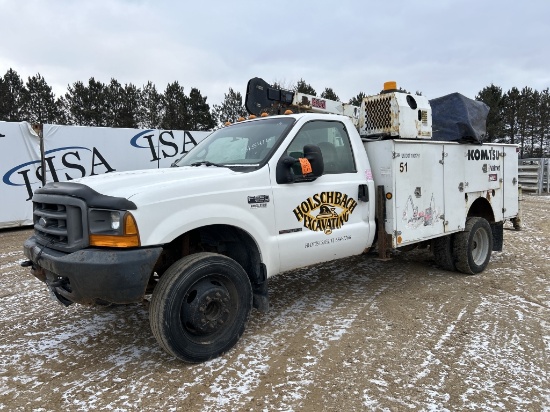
(497, 230)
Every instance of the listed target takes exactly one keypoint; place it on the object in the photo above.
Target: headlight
(115, 220)
(112, 228)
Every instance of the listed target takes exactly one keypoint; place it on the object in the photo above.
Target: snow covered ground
(357, 334)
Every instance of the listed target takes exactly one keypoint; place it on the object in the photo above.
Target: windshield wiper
(207, 163)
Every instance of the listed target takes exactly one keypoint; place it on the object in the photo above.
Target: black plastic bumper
(93, 276)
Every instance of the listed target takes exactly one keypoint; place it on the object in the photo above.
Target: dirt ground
(350, 335)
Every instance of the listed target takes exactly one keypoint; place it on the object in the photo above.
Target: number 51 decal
(403, 167)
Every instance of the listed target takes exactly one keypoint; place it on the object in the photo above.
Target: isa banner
(72, 152)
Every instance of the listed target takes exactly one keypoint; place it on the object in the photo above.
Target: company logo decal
(325, 211)
(483, 154)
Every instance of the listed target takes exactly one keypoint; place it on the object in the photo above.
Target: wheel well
(482, 208)
(227, 240)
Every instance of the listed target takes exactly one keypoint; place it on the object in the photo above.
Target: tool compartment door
(454, 176)
(419, 200)
(510, 177)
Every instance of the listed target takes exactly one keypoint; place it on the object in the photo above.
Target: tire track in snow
(325, 319)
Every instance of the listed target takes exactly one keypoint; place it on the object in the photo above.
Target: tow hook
(58, 283)
(57, 297)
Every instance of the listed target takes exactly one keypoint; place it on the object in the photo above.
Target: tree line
(113, 105)
(517, 116)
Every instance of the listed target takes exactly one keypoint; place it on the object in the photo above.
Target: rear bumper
(93, 276)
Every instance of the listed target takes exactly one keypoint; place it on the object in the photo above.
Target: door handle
(363, 194)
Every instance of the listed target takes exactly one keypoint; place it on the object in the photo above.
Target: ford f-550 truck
(268, 195)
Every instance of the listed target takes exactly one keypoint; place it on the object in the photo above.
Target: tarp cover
(456, 118)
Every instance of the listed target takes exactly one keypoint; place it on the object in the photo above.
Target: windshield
(241, 144)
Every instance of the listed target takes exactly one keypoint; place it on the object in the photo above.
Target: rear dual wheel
(200, 306)
(443, 252)
(472, 248)
(469, 251)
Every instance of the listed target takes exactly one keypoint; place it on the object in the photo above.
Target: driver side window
(333, 140)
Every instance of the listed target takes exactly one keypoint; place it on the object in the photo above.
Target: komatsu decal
(483, 154)
(325, 211)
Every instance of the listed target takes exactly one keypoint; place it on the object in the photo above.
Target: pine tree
(97, 95)
(492, 97)
(151, 107)
(231, 109)
(76, 102)
(122, 105)
(523, 117)
(86, 105)
(176, 108)
(11, 95)
(357, 100)
(533, 123)
(200, 117)
(510, 103)
(303, 87)
(113, 103)
(38, 103)
(329, 94)
(544, 130)
(130, 106)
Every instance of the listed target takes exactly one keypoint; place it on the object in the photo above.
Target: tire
(443, 252)
(472, 248)
(200, 307)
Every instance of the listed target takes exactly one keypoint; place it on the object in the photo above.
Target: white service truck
(268, 195)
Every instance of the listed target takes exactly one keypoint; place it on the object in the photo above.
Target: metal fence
(534, 175)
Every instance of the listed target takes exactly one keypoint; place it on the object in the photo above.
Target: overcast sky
(433, 46)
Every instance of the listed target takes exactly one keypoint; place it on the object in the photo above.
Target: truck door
(323, 219)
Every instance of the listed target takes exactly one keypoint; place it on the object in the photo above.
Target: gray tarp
(457, 118)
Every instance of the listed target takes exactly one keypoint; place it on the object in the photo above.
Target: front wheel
(472, 248)
(200, 306)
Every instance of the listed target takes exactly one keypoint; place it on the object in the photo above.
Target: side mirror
(315, 157)
(305, 169)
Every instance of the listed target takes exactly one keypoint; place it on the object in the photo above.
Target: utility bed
(428, 181)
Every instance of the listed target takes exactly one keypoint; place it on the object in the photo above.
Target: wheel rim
(480, 247)
(207, 307)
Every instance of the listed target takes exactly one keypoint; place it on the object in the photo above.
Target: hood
(138, 184)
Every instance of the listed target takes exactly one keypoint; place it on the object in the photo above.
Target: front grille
(60, 222)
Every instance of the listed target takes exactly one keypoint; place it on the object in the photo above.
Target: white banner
(71, 152)
(19, 166)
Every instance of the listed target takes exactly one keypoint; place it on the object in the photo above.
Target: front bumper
(93, 276)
